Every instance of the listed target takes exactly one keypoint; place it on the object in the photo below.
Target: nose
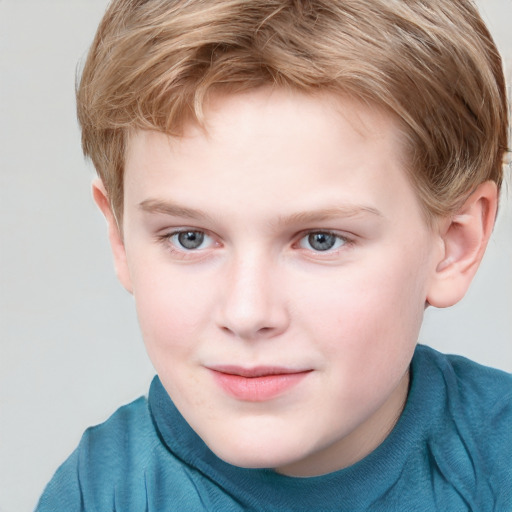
(253, 304)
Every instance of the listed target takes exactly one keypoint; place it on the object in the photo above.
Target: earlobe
(465, 235)
(114, 234)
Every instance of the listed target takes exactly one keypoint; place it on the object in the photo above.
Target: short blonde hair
(431, 63)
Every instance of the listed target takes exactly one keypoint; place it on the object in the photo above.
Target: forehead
(273, 148)
(265, 111)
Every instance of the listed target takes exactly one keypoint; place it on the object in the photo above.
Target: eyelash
(183, 253)
(345, 241)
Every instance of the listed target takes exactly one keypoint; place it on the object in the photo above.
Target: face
(280, 266)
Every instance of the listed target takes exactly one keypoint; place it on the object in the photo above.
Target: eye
(322, 241)
(190, 240)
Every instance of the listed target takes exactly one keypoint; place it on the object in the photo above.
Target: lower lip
(258, 389)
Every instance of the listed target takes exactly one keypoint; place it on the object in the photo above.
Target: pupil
(191, 239)
(321, 241)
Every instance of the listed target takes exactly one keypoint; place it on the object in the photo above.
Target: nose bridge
(253, 304)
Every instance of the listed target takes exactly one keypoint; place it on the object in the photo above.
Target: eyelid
(165, 238)
(182, 253)
(348, 240)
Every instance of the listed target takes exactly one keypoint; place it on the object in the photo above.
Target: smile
(257, 384)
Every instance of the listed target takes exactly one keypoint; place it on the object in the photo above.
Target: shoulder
(482, 398)
(471, 441)
(476, 389)
(127, 437)
(123, 464)
(115, 451)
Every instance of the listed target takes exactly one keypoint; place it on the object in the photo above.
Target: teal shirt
(451, 450)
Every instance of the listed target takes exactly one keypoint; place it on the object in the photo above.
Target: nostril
(252, 306)
(252, 334)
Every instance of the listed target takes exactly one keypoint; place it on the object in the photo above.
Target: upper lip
(256, 371)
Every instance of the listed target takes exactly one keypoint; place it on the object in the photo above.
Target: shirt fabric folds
(450, 450)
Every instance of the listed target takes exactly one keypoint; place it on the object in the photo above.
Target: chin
(257, 460)
(265, 453)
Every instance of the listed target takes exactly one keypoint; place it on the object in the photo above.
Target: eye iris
(191, 239)
(321, 241)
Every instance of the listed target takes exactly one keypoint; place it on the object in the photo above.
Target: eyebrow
(323, 214)
(172, 209)
(306, 217)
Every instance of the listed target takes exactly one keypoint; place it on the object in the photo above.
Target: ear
(114, 234)
(464, 236)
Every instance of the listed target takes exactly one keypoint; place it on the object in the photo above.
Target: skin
(274, 168)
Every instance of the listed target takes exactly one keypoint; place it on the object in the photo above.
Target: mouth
(257, 384)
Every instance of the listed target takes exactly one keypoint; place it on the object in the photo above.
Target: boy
(288, 185)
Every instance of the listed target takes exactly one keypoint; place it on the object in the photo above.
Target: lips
(257, 384)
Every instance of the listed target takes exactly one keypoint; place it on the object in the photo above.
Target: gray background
(70, 348)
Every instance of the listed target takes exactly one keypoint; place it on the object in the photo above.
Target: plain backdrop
(71, 352)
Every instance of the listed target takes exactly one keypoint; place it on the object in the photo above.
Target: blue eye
(322, 241)
(190, 240)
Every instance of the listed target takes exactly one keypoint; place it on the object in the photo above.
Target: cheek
(374, 308)
(170, 307)
(168, 322)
